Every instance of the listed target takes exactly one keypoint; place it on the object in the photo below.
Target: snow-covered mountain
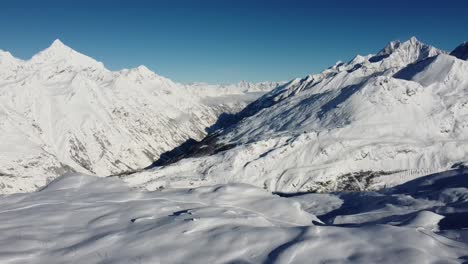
(63, 111)
(375, 121)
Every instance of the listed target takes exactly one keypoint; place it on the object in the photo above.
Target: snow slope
(85, 219)
(377, 120)
(64, 111)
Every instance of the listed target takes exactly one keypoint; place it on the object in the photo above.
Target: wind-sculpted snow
(86, 219)
(63, 111)
(374, 122)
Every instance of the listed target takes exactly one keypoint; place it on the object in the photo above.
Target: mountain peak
(58, 44)
(143, 69)
(60, 53)
(406, 52)
(413, 40)
(142, 72)
(57, 50)
(394, 45)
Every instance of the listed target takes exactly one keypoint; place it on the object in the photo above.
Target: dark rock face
(461, 51)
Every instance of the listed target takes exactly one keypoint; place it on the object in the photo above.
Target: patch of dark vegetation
(358, 181)
(349, 182)
(320, 187)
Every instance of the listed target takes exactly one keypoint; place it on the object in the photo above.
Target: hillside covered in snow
(374, 122)
(63, 111)
(85, 219)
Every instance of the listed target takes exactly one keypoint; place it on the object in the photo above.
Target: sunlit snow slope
(84, 219)
(373, 122)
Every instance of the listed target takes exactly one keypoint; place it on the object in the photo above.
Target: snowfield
(87, 219)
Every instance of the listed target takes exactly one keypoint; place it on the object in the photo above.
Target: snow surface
(374, 122)
(63, 111)
(87, 219)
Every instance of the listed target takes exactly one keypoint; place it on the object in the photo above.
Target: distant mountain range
(63, 111)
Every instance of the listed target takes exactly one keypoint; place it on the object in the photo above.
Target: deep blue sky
(231, 40)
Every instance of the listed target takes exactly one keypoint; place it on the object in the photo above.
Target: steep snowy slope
(84, 219)
(402, 112)
(63, 111)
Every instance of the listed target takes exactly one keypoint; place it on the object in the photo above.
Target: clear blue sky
(228, 40)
